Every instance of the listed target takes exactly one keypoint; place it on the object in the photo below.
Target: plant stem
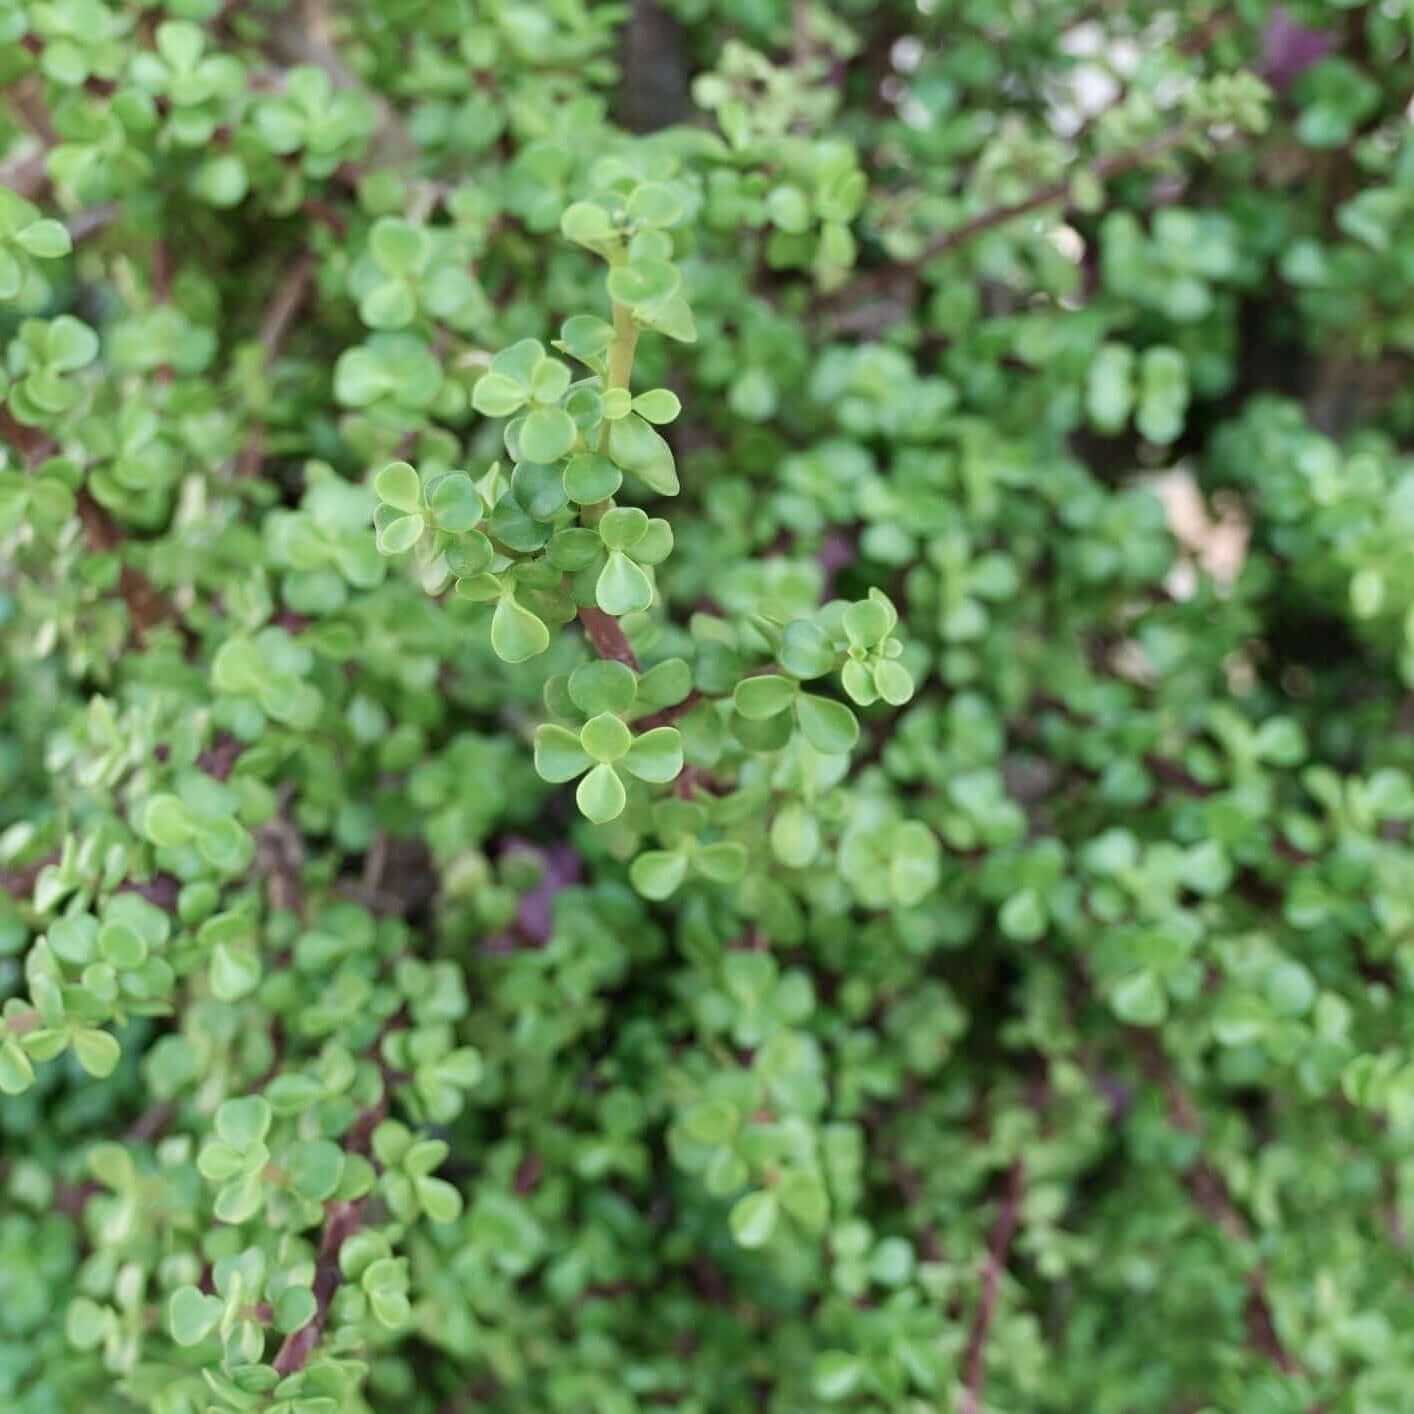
(617, 373)
(603, 629)
(621, 350)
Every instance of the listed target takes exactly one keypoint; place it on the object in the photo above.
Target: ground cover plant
(706, 706)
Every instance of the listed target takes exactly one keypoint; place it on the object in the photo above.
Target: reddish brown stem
(341, 1222)
(1211, 1194)
(293, 291)
(1003, 1230)
(607, 637)
(1103, 169)
(147, 607)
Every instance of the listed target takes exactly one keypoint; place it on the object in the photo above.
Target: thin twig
(1104, 169)
(1211, 1194)
(293, 291)
(147, 606)
(607, 637)
(1003, 1231)
(342, 1221)
(83, 224)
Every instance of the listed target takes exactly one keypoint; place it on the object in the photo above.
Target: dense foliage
(706, 706)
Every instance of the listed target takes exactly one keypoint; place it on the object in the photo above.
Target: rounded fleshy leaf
(656, 755)
(623, 527)
(657, 873)
(605, 737)
(495, 395)
(601, 796)
(558, 755)
(516, 633)
(590, 478)
(603, 686)
(546, 435)
(829, 726)
(399, 486)
(192, 1314)
(762, 696)
(623, 587)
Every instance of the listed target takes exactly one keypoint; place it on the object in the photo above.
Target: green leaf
(788, 208)
(753, 1219)
(655, 756)
(915, 862)
(587, 224)
(666, 684)
(388, 307)
(803, 1196)
(637, 448)
(96, 1051)
(400, 534)
(622, 587)
(46, 239)
(605, 737)
(218, 1161)
(866, 623)
(192, 1315)
(498, 396)
(456, 504)
(234, 971)
(604, 686)
(590, 478)
(655, 205)
(315, 1169)
(1023, 916)
(658, 405)
(122, 946)
(795, 836)
(558, 754)
(642, 281)
(71, 344)
(221, 181)
(601, 796)
(893, 682)
(546, 435)
(438, 1199)
(858, 683)
(724, 862)
(805, 650)
(391, 1308)
(762, 696)
(516, 633)
(86, 1323)
(244, 1122)
(295, 1307)
(623, 527)
(714, 1122)
(16, 1072)
(657, 873)
(398, 247)
(181, 44)
(1290, 988)
(240, 1199)
(585, 336)
(836, 1375)
(167, 822)
(462, 1067)
(1140, 999)
(829, 726)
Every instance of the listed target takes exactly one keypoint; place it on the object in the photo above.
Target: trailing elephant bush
(706, 706)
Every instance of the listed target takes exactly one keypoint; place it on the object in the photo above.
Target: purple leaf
(1289, 49)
